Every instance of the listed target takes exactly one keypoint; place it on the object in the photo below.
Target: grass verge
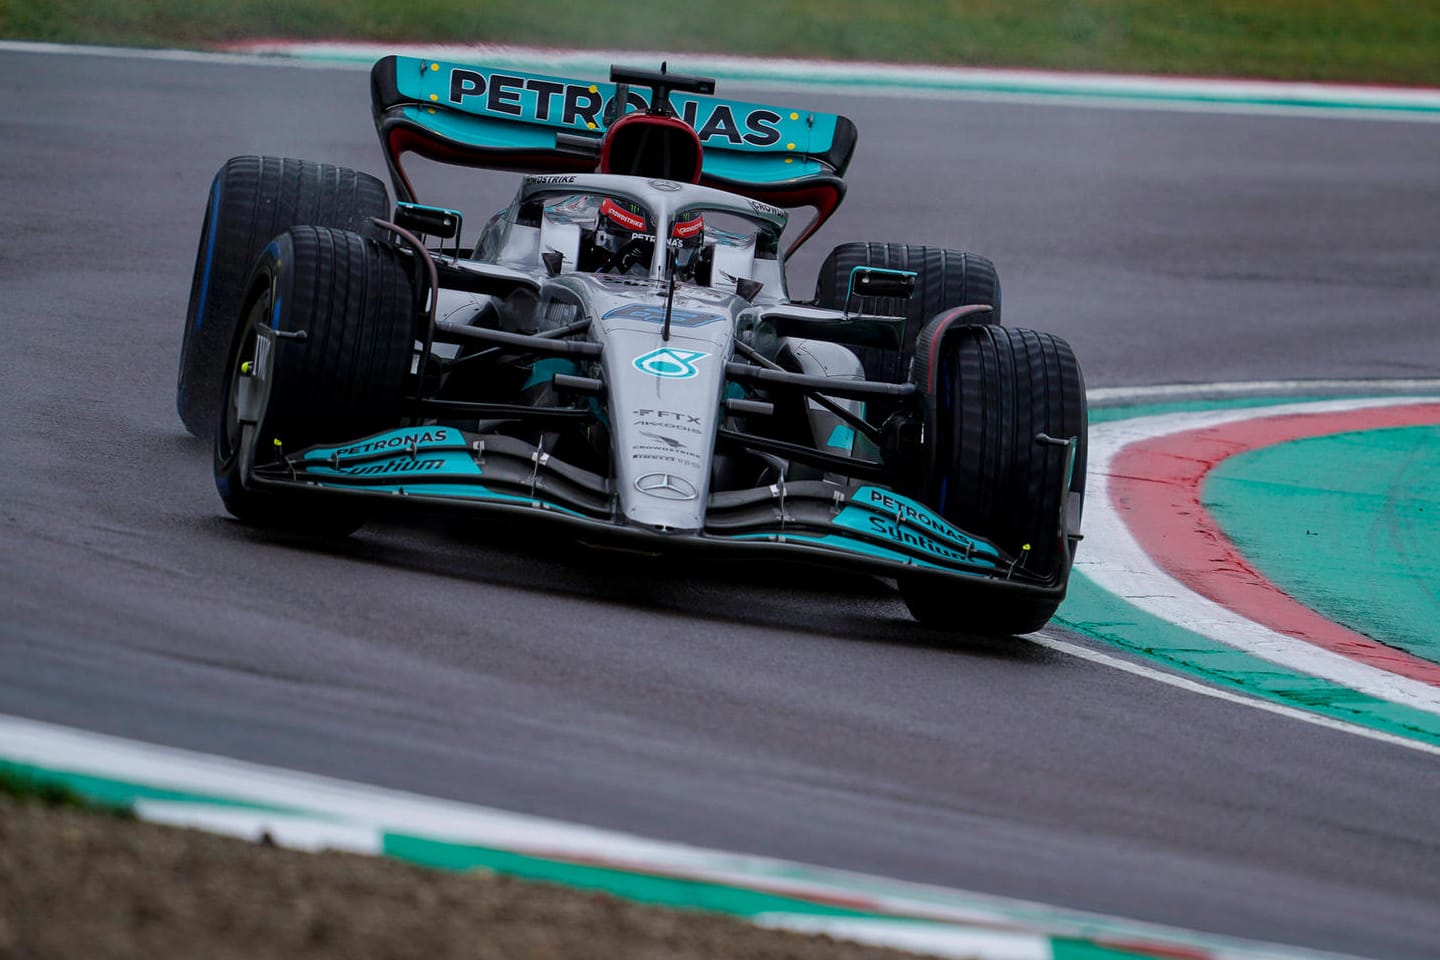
(28, 789)
(1380, 41)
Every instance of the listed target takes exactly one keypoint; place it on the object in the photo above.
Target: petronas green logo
(670, 364)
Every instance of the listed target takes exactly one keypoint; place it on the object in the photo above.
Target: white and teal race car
(618, 352)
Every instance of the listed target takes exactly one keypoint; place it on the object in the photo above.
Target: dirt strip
(80, 884)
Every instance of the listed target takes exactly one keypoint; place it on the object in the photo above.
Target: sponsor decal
(672, 416)
(398, 465)
(890, 530)
(903, 508)
(549, 178)
(510, 96)
(626, 218)
(666, 486)
(759, 124)
(670, 420)
(765, 208)
(664, 449)
(667, 363)
(400, 440)
(671, 441)
(668, 186)
(686, 229)
(655, 313)
(678, 459)
(906, 522)
(584, 106)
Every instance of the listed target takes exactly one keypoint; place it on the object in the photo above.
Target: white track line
(1220, 693)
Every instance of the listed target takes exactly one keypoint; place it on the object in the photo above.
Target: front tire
(990, 394)
(252, 200)
(322, 355)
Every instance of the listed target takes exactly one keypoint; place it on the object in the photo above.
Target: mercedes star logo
(665, 486)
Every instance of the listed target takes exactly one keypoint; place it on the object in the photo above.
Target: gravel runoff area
(75, 883)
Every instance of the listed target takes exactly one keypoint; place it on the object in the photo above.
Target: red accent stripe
(689, 228)
(1155, 486)
(626, 219)
(947, 318)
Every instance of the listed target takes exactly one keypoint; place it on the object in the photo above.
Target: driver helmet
(687, 240)
(622, 234)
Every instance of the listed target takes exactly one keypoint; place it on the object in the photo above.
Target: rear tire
(252, 199)
(947, 279)
(346, 377)
(988, 392)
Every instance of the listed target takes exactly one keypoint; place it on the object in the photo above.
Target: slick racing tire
(946, 279)
(989, 395)
(252, 199)
(322, 354)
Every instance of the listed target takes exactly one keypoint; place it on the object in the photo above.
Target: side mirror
(880, 282)
(430, 221)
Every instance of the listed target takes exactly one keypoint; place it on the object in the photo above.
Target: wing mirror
(429, 221)
(881, 282)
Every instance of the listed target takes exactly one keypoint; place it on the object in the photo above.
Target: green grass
(26, 788)
(1376, 41)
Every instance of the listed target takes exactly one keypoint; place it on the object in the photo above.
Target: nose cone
(663, 396)
(664, 404)
(664, 408)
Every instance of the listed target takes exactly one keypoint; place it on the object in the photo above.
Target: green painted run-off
(1347, 524)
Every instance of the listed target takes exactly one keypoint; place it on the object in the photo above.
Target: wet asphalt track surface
(773, 711)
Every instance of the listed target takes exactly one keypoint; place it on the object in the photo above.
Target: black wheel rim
(228, 437)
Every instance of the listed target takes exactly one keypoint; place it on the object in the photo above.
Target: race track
(771, 711)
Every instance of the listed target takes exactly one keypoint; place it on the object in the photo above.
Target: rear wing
(509, 120)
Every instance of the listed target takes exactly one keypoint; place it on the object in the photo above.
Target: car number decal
(655, 313)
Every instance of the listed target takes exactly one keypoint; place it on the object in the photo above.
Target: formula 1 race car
(618, 352)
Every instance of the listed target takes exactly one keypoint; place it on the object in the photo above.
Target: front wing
(442, 468)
